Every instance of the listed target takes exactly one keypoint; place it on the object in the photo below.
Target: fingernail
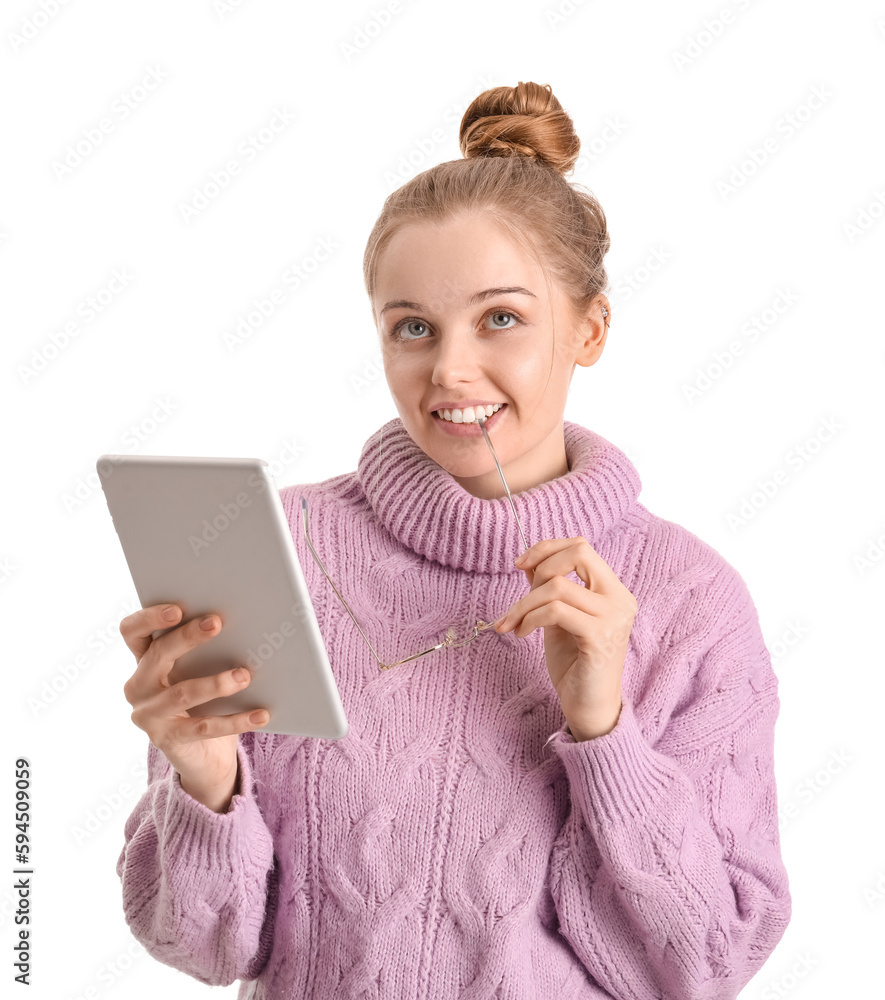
(207, 622)
(170, 614)
(258, 718)
(519, 559)
(240, 674)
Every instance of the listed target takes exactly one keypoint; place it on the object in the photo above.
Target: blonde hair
(517, 144)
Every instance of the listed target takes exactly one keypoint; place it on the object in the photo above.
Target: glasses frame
(451, 639)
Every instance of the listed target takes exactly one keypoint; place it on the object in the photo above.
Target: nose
(456, 359)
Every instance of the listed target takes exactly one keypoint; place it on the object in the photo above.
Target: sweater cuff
(617, 778)
(192, 834)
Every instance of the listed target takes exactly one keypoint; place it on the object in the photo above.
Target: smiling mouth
(469, 415)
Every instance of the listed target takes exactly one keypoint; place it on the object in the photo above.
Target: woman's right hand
(203, 750)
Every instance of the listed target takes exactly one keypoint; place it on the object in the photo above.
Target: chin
(463, 459)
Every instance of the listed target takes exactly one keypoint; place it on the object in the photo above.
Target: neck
(545, 461)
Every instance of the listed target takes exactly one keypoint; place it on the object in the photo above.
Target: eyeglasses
(451, 638)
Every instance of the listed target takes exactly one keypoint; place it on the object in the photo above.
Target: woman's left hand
(586, 629)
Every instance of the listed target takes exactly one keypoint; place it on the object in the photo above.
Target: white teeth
(469, 414)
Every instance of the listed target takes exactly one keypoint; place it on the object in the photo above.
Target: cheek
(524, 372)
(408, 388)
(401, 376)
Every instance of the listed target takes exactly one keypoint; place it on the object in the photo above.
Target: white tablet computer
(211, 535)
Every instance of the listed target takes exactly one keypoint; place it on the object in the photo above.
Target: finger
(561, 556)
(169, 647)
(540, 550)
(597, 646)
(586, 601)
(566, 616)
(165, 707)
(599, 640)
(194, 691)
(207, 727)
(155, 666)
(174, 701)
(138, 627)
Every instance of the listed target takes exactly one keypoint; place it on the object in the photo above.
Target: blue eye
(406, 323)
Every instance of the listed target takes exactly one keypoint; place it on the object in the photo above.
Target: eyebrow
(472, 301)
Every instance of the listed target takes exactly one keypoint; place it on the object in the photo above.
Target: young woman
(577, 802)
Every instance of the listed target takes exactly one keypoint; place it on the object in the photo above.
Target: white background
(670, 101)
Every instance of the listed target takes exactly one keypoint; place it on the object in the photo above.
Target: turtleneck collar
(425, 509)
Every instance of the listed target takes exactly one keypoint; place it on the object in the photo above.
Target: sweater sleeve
(667, 875)
(199, 886)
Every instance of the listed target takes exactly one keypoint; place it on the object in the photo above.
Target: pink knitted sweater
(458, 842)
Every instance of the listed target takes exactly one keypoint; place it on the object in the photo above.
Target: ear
(592, 331)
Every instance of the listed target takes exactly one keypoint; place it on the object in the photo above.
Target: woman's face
(464, 317)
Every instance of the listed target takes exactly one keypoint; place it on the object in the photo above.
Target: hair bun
(525, 120)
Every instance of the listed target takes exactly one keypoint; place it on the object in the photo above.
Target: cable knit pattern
(458, 842)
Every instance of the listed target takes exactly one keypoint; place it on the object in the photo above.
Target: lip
(467, 430)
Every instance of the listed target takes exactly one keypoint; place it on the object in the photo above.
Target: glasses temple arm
(319, 562)
(485, 434)
(450, 636)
